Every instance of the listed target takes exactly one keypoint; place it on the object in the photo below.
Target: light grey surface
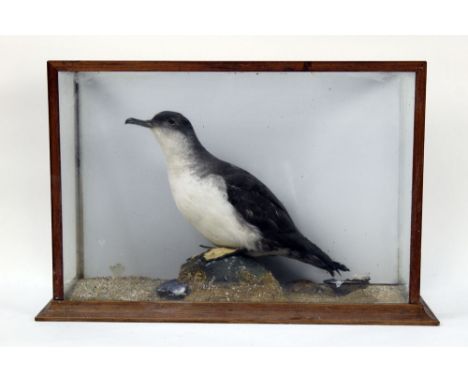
(405, 178)
(327, 144)
(68, 178)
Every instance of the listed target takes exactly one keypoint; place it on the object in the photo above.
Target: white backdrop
(25, 248)
(327, 144)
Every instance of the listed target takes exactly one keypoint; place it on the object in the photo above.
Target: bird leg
(218, 252)
(206, 246)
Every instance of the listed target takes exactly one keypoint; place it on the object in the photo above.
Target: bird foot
(217, 253)
(206, 246)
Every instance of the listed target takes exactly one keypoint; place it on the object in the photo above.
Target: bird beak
(134, 121)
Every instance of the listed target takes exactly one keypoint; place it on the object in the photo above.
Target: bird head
(165, 121)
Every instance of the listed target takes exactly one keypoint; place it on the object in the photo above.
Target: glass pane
(335, 148)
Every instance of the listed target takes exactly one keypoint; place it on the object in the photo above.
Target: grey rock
(230, 269)
(347, 286)
(173, 290)
(303, 286)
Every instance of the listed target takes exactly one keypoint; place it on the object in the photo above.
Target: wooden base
(226, 312)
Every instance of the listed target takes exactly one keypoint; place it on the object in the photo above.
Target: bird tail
(304, 250)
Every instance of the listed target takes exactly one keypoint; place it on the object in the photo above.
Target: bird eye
(171, 121)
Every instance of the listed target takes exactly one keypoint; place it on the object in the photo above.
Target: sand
(144, 289)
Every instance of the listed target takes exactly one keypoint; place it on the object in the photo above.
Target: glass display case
(237, 191)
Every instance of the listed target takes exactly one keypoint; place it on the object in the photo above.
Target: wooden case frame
(415, 312)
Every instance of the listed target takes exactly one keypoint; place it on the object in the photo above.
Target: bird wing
(261, 208)
(256, 203)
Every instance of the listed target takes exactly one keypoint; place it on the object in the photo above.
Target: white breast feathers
(204, 203)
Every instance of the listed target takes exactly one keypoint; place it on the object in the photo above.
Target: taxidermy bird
(226, 204)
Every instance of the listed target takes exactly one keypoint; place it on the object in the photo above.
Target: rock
(303, 286)
(235, 277)
(229, 269)
(173, 290)
(347, 286)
